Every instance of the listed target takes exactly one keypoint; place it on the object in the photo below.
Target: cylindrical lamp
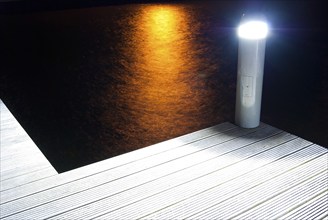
(252, 33)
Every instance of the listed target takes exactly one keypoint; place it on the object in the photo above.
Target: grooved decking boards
(21, 161)
(222, 172)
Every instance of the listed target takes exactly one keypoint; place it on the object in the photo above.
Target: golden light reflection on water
(165, 90)
(163, 44)
(162, 23)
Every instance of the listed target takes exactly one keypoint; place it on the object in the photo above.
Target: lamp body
(251, 53)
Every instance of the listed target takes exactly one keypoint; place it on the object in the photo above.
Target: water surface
(89, 84)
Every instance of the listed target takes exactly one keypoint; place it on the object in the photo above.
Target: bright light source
(253, 30)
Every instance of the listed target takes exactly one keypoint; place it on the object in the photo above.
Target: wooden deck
(220, 172)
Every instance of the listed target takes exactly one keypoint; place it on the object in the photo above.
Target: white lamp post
(252, 33)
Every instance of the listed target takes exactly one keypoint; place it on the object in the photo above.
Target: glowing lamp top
(253, 30)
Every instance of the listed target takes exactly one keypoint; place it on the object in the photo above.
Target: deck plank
(176, 194)
(238, 183)
(18, 181)
(257, 195)
(275, 207)
(315, 208)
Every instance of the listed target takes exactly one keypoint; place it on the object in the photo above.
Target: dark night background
(295, 90)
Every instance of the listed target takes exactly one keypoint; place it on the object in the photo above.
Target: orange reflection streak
(162, 49)
(161, 93)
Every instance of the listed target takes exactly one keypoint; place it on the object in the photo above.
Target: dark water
(89, 84)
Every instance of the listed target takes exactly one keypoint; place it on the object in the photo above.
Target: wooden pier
(222, 172)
